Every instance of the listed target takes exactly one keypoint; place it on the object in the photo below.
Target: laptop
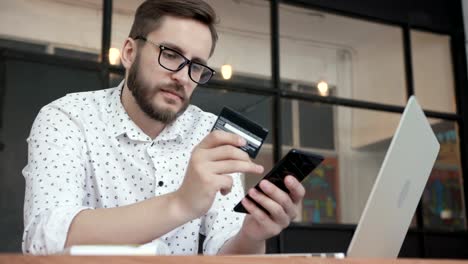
(397, 190)
(398, 187)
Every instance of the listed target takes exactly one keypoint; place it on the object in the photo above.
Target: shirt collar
(175, 130)
(121, 123)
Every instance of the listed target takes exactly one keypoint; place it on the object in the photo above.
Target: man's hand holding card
(217, 156)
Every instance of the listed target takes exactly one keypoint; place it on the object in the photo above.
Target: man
(137, 163)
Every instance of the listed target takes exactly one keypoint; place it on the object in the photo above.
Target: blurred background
(331, 77)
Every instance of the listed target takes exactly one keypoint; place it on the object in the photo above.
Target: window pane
(306, 124)
(357, 59)
(317, 124)
(48, 24)
(433, 71)
(338, 189)
(371, 134)
(443, 203)
(244, 40)
(122, 20)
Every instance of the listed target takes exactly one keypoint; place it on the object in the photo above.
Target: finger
(227, 152)
(276, 211)
(235, 166)
(258, 214)
(219, 137)
(280, 197)
(296, 190)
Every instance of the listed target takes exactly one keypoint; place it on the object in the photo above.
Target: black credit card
(233, 122)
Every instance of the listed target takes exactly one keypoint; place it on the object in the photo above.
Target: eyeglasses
(172, 60)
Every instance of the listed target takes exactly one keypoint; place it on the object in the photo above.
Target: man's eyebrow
(181, 51)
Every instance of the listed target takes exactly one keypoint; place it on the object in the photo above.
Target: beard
(144, 96)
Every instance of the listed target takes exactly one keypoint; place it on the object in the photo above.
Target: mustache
(173, 88)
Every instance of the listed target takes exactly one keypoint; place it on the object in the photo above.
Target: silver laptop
(398, 187)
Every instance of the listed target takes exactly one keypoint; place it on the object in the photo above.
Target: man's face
(161, 94)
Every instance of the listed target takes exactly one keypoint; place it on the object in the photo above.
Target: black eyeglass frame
(182, 65)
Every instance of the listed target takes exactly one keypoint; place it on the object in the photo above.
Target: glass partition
(434, 84)
(354, 143)
(332, 55)
(48, 27)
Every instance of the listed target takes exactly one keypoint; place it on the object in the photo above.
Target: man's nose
(182, 76)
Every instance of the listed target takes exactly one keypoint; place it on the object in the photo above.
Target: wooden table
(274, 259)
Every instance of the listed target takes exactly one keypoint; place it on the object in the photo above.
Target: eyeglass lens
(173, 61)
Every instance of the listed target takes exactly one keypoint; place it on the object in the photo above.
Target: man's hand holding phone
(281, 208)
(274, 202)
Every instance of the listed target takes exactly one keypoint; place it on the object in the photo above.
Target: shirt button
(160, 183)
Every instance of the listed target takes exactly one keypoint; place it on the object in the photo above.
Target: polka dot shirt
(85, 153)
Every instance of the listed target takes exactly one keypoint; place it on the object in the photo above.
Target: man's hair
(150, 15)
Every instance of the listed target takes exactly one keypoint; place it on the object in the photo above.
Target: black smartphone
(297, 163)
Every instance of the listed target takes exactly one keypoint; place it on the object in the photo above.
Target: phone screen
(296, 163)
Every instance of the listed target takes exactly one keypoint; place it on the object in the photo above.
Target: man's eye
(197, 68)
(170, 55)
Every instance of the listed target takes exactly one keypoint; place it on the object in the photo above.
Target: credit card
(233, 122)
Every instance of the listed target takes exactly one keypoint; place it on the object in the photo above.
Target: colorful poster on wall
(442, 198)
(321, 202)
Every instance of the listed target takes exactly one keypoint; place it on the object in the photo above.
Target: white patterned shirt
(85, 153)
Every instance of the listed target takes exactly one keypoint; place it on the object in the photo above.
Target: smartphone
(297, 163)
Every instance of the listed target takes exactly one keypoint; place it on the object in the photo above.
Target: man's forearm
(239, 244)
(132, 224)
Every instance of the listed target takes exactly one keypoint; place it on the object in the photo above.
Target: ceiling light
(323, 88)
(114, 56)
(226, 71)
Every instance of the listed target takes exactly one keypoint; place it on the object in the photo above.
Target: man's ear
(129, 52)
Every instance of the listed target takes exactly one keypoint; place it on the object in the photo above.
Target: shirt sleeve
(55, 178)
(221, 223)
